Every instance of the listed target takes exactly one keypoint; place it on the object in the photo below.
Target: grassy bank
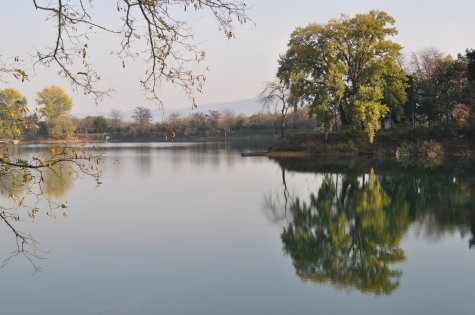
(399, 143)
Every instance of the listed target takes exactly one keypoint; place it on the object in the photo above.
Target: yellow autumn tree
(12, 106)
(56, 108)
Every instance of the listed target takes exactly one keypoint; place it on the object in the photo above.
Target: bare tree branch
(169, 50)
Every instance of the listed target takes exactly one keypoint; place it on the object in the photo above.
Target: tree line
(53, 119)
(198, 124)
(54, 111)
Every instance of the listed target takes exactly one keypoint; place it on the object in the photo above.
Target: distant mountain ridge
(247, 107)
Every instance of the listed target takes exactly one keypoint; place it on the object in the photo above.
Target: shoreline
(399, 144)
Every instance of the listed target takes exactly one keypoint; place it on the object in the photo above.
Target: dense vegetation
(350, 75)
(211, 124)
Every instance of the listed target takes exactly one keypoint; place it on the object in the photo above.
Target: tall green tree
(346, 70)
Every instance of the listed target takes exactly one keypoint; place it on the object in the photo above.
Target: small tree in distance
(142, 115)
(116, 117)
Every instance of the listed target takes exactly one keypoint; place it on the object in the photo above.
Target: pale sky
(238, 67)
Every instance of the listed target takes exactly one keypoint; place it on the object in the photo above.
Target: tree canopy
(55, 102)
(439, 82)
(346, 71)
(56, 108)
(12, 105)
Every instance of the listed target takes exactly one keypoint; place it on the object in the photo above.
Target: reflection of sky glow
(191, 238)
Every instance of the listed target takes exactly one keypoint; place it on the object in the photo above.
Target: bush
(428, 149)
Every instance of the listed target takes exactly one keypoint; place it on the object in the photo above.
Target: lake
(192, 228)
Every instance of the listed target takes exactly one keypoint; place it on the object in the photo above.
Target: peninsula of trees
(352, 78)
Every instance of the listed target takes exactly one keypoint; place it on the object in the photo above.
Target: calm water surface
(196, 229)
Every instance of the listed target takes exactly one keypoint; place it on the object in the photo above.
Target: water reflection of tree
(144, 160)
(58, 180)
(347, 235)
(439, 201)
(348, 232)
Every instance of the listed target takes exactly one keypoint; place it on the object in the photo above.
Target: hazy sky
(239, 67)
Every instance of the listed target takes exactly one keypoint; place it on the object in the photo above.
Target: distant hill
(247, 107)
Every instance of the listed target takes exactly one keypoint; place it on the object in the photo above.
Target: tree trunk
(282, 126)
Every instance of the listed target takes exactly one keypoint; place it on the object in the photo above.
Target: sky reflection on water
(196, 229)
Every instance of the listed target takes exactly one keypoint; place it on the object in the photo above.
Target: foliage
(461, 115)
(12, 106)
(99, 124)
(346, 70)
(212, 124)
(56, 108)
(60, 127)
(55, 102)
(469, 92)
(440, 82)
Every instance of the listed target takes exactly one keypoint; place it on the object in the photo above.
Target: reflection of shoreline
(347, 232)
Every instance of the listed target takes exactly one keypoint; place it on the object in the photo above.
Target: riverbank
(419, 142)
(271, 135)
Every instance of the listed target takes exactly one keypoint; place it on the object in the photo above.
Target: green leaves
(19, 74)
(346, 70)
(368, 109)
